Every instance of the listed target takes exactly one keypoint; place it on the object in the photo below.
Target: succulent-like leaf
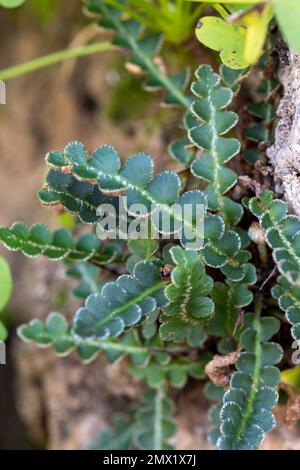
(188, 305)
(144, 48)
(246, 414)
(155, 426)
(212, 122)
(282, 233)
(38, 240)
(121, 304)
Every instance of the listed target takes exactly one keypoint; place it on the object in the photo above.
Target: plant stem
(54, 58)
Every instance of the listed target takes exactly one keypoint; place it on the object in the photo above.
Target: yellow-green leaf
(227, 38)
(257, 27)
(291, 377)
(5, 283)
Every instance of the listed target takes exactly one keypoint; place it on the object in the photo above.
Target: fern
(263, 113)
(188, 305)
(149, 428)
(56, 333)
(118, 437)
(144, 48)
(214, 394)
(122, 303)
(38, 240)
(217, 150)
(175, 371)
(135, 180)
(141, 249)
(246, 411)
(288, 298)
(229, 298)
(282, 233)
(155, 425)
(77, 197)
(87, 275)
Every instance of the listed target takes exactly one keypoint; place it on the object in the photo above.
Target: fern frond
(135, 180)
(282, 233)
(144, 49)
(262, 111)
(175, 371)
(88, 279)
(154, 422)
(214, 394)
(141, 249)
(206, 132)
(77, 197)
(56, 333)
(119, 436)
(246, 414)
(38, 240)
(228, 298)
(188, 305)
(121, 304)
(288, 298)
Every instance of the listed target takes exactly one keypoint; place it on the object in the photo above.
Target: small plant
(157, 298)
(241, 32)
(175, 19)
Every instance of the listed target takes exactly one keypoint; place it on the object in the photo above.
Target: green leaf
(55, 332)
(246, 412)
(176, 371)
(134, 180)
(88, 276)
(212, 122)
(155, 427)
(288, 298)
(77, 197)
(143, 49)
(11, 3)
(64, 342)
(287, 14)
(38, 240)
(141, 249)
(181, 152)
(188, 305)
(228, 298)
(119, 437)
(6, 283)
(3, 332)
(282, 234)
(229, 39)
(214, 394)
(121, 304)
